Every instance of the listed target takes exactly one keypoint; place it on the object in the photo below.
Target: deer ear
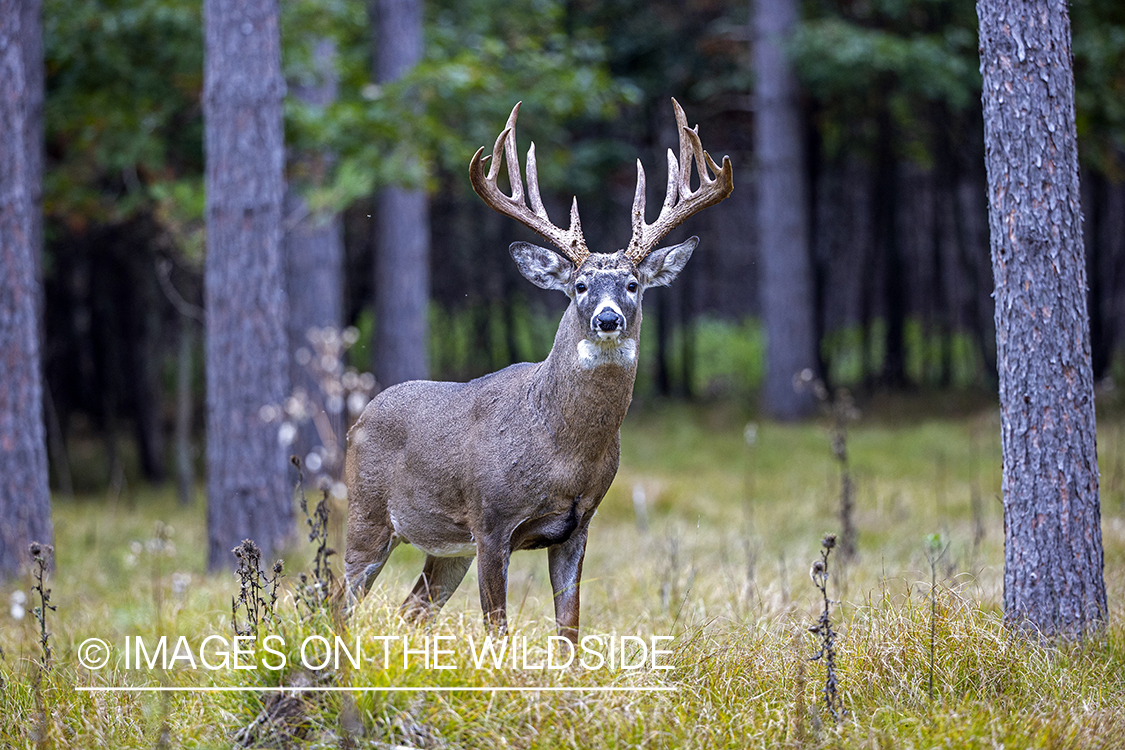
(663, 265)
(542, 267)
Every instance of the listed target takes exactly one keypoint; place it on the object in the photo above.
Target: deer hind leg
(440, 578)
(364, 559)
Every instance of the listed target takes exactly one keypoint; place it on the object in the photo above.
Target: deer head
(606, 288)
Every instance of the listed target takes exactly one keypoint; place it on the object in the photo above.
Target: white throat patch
(620, 352)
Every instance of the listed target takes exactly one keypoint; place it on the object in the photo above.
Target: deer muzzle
(609, 323)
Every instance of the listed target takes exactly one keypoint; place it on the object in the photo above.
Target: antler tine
(680, 201)
(672, 193)
(686, 151)
(511, 156)
(533, 184)
(570, 242)
(639, 202)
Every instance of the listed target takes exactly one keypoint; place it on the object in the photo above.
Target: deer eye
(580, 287)
(632, 287)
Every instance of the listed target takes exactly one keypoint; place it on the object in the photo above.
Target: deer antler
(570, 242)
(680, 201)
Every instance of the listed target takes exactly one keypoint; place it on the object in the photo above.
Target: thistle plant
(823, 628)
(41, 556)
(257, 596)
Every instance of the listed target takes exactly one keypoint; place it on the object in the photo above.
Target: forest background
(891, 115)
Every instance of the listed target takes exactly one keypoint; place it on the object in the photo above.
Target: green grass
(723, 566)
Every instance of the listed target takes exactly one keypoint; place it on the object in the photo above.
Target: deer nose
(608, 321)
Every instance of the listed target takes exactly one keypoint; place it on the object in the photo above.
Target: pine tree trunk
(31, 41)
(1053, 559)
(787, 279)
(25, 502)
(248, 493)
(402, 252)
(314, 269)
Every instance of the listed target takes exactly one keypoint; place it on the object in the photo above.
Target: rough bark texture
(1053, 558)
(402, 254)
(314, 258)
(248, 494)
(787, 281)
(25, 504)
(31, 42)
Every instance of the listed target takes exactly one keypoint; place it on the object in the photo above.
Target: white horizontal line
(331, 689)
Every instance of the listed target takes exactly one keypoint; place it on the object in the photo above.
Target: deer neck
(585, 393)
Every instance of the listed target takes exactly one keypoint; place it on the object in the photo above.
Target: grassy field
(734, 513)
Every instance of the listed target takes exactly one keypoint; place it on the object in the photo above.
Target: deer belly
(449, 549)
(435, 535)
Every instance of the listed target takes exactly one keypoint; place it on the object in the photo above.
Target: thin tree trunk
(402, 254)
(25, 502)
(247, 367)
(1053, 559)
(787, 277)
(314, 269)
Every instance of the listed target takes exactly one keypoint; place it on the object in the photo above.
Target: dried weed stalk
(257, 594)
(41, 557)
(823, 628)
(315, 589)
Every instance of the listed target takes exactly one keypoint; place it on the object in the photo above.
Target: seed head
(817, 571)
(829, 541)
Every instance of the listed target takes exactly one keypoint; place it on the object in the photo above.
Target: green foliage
(903, 65)
(125, 77)
(1099, 73)
(915, 63)
(122, 112)
(837, 58)
(730, 357)
(479, 59)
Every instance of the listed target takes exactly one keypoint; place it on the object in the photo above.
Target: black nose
(608, 320)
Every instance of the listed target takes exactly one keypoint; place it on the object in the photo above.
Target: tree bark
(247, 367)
(1053, 559)
(31, 42)
(314, 270)
(402, 262)
(25, 503)
(787, 280)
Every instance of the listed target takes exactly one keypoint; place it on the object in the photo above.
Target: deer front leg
(492, 571)
(565, 563)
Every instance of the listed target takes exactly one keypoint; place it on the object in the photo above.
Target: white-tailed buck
(520, 459)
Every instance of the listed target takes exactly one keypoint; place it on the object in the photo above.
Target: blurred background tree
(890, 118)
